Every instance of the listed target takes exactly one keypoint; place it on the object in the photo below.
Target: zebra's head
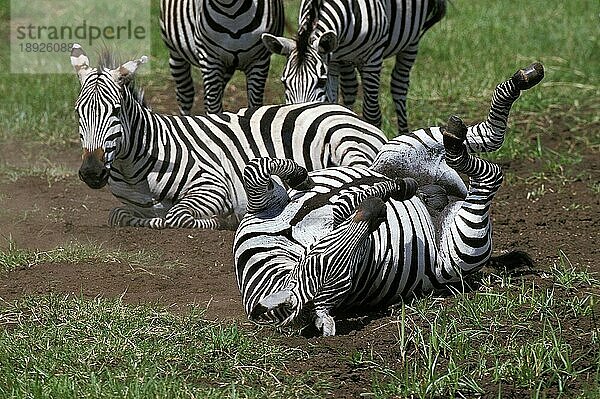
(326, 270)
(305, 75)
(98, 110)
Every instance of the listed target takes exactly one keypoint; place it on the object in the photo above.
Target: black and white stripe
(354, 238)
(184, 171)
(337, 37)
(220, 37)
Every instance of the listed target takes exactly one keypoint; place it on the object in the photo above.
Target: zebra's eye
(321, 82)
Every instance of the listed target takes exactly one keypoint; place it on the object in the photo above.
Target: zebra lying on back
(220, 37)
(335, 37)
(184, 171)
(351, 238)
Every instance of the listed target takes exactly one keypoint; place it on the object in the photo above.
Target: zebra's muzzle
(372, 210)
(92, 171)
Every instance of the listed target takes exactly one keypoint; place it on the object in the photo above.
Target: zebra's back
(220, 145)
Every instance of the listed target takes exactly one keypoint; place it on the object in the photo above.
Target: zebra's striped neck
(136, 121)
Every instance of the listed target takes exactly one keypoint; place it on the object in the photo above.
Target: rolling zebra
(337, 37)
(220, 37)
(352, 238)
(184, 171)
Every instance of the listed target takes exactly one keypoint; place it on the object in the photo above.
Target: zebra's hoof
(301, 181)
(528, 77)
(325, 324)
(406, 188)
(455, 133)
(258, 311)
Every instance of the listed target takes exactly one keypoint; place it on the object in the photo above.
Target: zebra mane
(108, 59)
(309, 16)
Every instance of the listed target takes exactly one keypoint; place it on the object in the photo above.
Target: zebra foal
(220, 37)
(186, 171)
(352, 238)
(336, 37)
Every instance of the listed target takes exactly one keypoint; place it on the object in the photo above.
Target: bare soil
(195, 267)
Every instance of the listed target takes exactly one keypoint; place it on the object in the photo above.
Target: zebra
(186, 171)
(337, 37)
(220, 37)
(346, 238)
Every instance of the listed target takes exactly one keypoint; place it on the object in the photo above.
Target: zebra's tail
(437, 11)
(511, 261)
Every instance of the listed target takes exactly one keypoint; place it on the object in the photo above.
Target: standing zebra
(184, 171)
(219, 36)
(335, 37)
(347, 237)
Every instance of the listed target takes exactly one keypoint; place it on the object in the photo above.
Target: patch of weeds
(536, 193)
(509, 335)
(68, 347)
(574, 206)
(568, 276)
(595, 187)
(51, 173)
(13, 258)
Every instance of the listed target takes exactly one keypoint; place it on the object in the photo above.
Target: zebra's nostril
(94, 178)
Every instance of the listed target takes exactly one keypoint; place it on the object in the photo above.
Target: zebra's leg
(333, 80)
(400, 189)
(186, 217)
(488, 136)
(465, 236)
(262, 192)
(124, 216)
(399, 84)
(215, 76)
(256, 77)
(370, 74)
(207, 206)
(348, 84)
(181, 70)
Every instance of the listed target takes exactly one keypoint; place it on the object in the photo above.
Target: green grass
(68, 347)
(479, 44)
(13, 257)
(511, 335)
(513, 338)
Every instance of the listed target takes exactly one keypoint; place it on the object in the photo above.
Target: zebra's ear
(80, 62)
(278, 45)
(127, 70)
(327, 42)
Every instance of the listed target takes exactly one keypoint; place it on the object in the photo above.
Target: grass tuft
(14, 258)
(68, 347)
